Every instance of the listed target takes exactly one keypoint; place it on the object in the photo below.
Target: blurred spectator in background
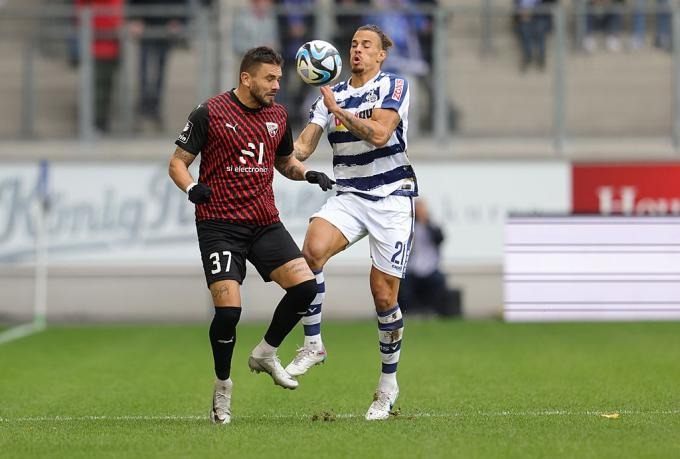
(296, 27)
(425, 31)
(662, 34)
(532, 22)
(255, 25)
(605, 16)
(424, 289)
(157, 31)
(106, 23)
(399, 20)
(346, 23)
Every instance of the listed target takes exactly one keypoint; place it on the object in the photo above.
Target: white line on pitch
(343, 415)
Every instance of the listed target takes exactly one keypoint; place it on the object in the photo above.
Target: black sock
(223, 339)
(291, 308)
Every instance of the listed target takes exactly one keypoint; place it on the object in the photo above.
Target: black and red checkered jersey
(237, 146)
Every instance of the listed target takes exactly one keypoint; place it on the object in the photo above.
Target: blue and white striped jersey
(359, 166)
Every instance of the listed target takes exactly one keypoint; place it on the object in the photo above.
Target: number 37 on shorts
(221, 262)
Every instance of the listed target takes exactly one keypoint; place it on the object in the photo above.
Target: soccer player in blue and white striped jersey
(366, 120)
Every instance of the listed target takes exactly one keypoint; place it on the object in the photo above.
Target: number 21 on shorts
(400, 254)
(218, 261)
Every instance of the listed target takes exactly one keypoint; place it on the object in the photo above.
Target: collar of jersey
(352, 89)
(232, 95)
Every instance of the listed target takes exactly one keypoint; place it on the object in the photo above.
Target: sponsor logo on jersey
(364, 114)
(246, 169)
(231, 126)
(338, 125)
(398, 89)
(272, 128)
(186, 132)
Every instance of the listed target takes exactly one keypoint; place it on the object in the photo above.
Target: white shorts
(388, 223)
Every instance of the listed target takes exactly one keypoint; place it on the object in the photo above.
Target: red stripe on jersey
(237, 161)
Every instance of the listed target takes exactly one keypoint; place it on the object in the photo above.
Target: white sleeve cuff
(191, 185)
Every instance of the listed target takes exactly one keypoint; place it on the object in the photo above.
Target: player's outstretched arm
(307, 141)
(290, 167)
(178, 170)
(376, 130)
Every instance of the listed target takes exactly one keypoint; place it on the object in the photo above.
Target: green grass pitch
(468, 389)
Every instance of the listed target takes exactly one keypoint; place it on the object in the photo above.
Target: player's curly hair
(260, 55)
(385, 41)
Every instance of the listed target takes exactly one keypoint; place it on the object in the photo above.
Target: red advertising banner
(626, 188)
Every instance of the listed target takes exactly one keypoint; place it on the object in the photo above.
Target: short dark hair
(385, 41)
(260, 55)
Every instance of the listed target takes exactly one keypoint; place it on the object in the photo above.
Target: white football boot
(221, 405)
(272, 366)
(383, 401)
(305, 359)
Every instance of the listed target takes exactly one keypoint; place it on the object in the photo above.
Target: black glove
(322, 179)
(199, 193)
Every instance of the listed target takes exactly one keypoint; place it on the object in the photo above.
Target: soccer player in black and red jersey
(242, 135)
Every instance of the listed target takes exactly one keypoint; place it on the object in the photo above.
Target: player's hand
(329, 99)
(322, 179)
(199, 193)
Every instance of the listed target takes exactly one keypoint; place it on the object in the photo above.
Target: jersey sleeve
(195, 133)
(318, 114)
(396, 97)
(285, 147)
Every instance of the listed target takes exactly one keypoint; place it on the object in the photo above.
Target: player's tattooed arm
(184, 156)
(358, 127)
(178, 168)
(307, 142)
(376, 130)
(290, 167)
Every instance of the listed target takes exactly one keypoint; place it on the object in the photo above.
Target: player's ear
(245, 79)
(382, 55)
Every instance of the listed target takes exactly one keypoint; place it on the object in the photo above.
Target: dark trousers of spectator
(153, 57)
(609, 23)
(105, 71)
(423, 294)
(532, 32)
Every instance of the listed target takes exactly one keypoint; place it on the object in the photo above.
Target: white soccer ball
(318, 63)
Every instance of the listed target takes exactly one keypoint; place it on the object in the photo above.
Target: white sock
(225, 382)
(314, 342)
(264, 349)
(388, 382)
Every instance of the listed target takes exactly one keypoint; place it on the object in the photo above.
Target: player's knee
(303, 294)
(314, 258)
(227, 318)
(316, 253)
(384, 300)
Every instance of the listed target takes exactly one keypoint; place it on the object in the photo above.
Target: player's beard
(259, 95)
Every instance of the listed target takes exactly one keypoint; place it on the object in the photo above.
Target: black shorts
(225, 247)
